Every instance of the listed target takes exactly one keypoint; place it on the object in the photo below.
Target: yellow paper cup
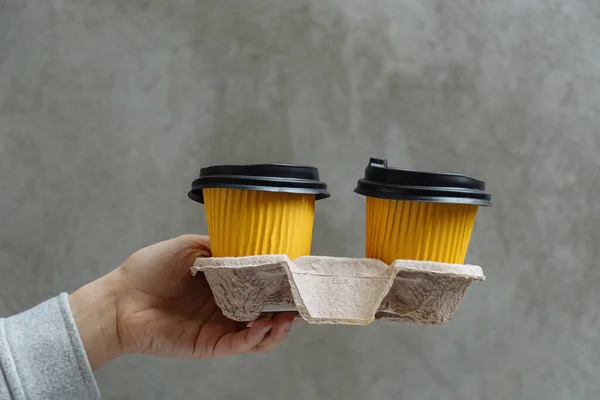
(410, 230)
(417, 215)
(259, 209)
(248, 222)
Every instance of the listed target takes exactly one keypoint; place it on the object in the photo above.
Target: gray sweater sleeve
(42, 357)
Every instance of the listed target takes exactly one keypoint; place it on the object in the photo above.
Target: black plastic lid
(396, 184)
(286, 178)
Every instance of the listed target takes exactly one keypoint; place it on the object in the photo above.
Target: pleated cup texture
(423, 231)
(248, 222)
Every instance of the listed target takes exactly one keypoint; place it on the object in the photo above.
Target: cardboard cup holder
(336, 290)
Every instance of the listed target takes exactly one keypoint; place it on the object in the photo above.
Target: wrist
(94, 308)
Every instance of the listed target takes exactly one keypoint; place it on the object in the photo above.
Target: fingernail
(266, 330)
(288, 327)
(249, 324)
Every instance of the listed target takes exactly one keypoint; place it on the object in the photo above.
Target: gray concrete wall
(109, 108)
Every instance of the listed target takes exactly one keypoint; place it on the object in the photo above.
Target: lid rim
(271, 179)
(484, 202)
(197, 195)
(445, 189)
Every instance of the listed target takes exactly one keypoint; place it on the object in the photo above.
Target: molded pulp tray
(333, 290)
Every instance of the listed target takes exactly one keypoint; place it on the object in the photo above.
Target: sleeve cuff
(42, 356)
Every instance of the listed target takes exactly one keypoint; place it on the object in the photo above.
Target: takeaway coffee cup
(259, 209)
(419, 215)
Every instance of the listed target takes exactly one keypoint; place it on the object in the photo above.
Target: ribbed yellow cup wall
(248, 222)
(413, 230)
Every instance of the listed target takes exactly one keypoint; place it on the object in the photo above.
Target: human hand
(152, 305)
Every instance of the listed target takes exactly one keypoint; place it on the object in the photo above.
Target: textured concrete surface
(108, 109)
